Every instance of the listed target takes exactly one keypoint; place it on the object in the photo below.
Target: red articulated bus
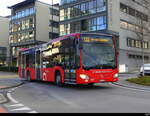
(72, 59)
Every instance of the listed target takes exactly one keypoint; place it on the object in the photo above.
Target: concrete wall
(124, 60)
(42, 21)
(4, 32)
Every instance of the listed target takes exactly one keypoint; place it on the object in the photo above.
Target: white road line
(33, 112)
(21, 109)
(12, 99)
(16, 105)
(129, 88)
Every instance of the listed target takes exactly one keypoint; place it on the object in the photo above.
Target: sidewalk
(7, 75)
(8, 80)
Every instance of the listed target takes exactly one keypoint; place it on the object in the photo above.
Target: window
(131, 11)
(85, 25)
(31, 34)
(54, 24)
(27, 12)
(137, 43)
(123, 8)
(54, 12)
(101, 23)
(124, 24)
(92, 6)
(31, 23)
(93, 24)
(101, 5)
(53, 35)
(126, 9)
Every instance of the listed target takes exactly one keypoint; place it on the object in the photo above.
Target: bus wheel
(91, 84)
(58, 79)
(28, 77)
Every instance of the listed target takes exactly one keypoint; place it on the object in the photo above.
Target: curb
(13, 86)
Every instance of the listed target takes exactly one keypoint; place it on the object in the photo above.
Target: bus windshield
(98, 53)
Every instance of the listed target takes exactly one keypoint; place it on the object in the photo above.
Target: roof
(21, 4)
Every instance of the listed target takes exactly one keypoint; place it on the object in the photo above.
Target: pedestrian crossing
(18, 108)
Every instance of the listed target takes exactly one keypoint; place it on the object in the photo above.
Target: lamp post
(52, 17)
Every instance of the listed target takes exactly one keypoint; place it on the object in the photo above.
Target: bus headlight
(116, 75)
(83, 76)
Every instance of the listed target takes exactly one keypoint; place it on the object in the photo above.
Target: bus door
(23, 65)
(70, 62)
(38, 65)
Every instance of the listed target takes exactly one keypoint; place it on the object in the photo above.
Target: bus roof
(26, 50)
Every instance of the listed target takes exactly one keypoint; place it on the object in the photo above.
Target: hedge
(9, 69)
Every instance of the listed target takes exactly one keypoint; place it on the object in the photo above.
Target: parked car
(146, 69)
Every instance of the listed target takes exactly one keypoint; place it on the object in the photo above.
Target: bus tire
(91, 84)
(28, 77)
(58, 79)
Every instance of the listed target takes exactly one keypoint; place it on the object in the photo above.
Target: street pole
(143, 60)
(52, 17)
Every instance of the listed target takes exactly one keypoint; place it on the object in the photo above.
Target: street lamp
(52, 18)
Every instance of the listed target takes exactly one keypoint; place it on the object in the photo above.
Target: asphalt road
(102, 98)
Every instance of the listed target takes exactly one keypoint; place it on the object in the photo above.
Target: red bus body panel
(97, 76)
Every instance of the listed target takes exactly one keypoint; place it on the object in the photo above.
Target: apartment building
(4, 39)
(123, 18)
(32, 23)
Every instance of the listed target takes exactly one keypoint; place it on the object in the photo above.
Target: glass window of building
(123, 8)
(85, 25)
(93, 24)
(31, 22)
(27, 24)
(23, 37)
(101, 5)
(26, 36)
(27, 12)
(83, 8)
(23, 25)
(124, 24)
(131, 11)
(131, 27)
(62, 14)
(31, 34)
(92, 6)
(101, 23)
(62, 29)
(23, 13)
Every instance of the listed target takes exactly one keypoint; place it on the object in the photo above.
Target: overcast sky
(4, 11)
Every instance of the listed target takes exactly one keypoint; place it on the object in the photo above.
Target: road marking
(130, 88)
(21, 109)
(2, 110)
(16, 105)
(33, 112)
(12, 99)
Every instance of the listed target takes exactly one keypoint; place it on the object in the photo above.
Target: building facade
(124, 18)
(32, 23)
(4, 40)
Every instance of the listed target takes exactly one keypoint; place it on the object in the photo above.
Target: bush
(8, 69)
